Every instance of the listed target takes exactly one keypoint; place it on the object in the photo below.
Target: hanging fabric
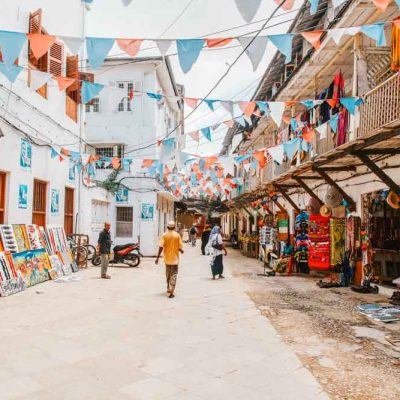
(395, 64)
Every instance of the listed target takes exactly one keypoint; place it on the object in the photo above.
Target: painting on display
(21, 237)
(147, 212)
(33, 237)
(71, 171)
(23, 197)
(122, 195)
(33, 265)
(10, 281)
(25, 158)
(8, 238)
(56, 266)
(55, 202)
(65, 262)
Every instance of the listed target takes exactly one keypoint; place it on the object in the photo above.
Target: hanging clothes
(342, 126)
(338, 86)
(395, 64)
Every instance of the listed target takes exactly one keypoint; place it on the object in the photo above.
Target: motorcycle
(234, 241)
(128, 254)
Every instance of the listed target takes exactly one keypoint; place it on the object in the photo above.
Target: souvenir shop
(30, 255)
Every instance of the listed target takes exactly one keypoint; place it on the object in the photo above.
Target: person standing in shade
(171, 245)
(205, 236)
(104, 248)
(217, 248)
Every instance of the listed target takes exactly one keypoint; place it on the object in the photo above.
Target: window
(124, 221)
(133, 89)
(109, 152)
(39, 202)
(93, 106)
(69, 211)
(3, 178)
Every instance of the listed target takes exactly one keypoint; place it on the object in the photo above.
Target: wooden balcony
(381, 108)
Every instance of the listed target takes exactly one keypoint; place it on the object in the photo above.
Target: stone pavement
(124, 339)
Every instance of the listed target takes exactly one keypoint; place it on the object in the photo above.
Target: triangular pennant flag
(322, 130)
(283, 43)
(126, 2)
(337, 34)
(40, 44)
(146, 163)
(247, 107)
(191, 102)
(188, 52)
(314, 6)
(230, 123)
(287, 5)
(216, 126)
(130, 46)
(206, 133)
(210, 103)
(38, 79)
(332, 102)
(90, 91)
(333, 122)
(338, 3)
(11, 45)
(350, 103)
(254, 48)
(381, 5)
(228, 106)
(195, 135)
(291, 147)
(11, 71)
(308, 135)
(73, 43)
(163, 46)
(313, 38)
(277, 109)
(262, 105)
(260, 157)
(54, 153)
(276, 153)
(155, 96)
(248, 8)
(375, 32)
(114, 96)
(218, 42)
(64, 82)
(97, 50)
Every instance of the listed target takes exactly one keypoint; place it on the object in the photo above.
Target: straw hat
(393, 200)
(333, 197)
(313, 206)
(325, 211)
(171, 225)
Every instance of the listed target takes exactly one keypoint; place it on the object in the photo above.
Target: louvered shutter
(35, 26)
(56, 58)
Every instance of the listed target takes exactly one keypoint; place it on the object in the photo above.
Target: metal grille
(69, 211)
(126, 103)
(124, 221)
(105, 151)
(93, 106)
(39, 203)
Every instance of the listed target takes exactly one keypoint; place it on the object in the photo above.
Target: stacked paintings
(10, 280)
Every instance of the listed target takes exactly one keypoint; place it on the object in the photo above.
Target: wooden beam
(283, 209)
(308, 190)
(379, 151)
(379, 173)
(287, 197)
(331, 182)
(338, 169)
(309, 178)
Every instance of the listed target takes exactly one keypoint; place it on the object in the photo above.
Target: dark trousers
(203, 247)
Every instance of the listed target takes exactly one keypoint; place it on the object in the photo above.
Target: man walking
(171, 244)
(104, 248)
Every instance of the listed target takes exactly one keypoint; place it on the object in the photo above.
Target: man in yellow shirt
(171, 244)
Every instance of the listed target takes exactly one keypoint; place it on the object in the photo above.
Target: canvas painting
(21, 237)
(8, 238)
(66, 263)
(147, 213)
(33, 265)
(56, 266)
(23, 197)
(122, 195)
(25, 158)
(55, 202)
(33, 237)
(10, 281)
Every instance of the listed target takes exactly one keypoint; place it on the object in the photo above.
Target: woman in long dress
(217, 249)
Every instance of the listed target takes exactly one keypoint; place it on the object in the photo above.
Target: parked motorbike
(128, 254)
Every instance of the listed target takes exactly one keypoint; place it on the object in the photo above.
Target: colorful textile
(338, 240)
(395, 64)
(171, 272)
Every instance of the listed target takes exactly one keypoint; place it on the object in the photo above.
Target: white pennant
(228, 106)
(247, 167)
(73, 43)
(277, 109)
(126, 2)
(277, 153)
(114, 96)
(163, 46)
(337, 34)
(248, 8)
(227, 164)
(38, 79)
(256, 49)
(322, 130)
(337, 3)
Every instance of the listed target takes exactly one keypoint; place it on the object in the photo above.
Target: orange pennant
(65, 151)
(247, 107)
(208, 161)
(260, 157)
(290, 103)
(191, 102)
(308, 135)
(287, 5)
(381, 5)
(40, 44)
(147, 163)
(229, 123)
(116, 162)
(218, 42)
(313, 38)
(332, 102)
(130, 46)
(64, 82)
(286, 119)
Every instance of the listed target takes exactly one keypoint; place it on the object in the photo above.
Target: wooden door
(69, 211)
(3, 178)
(39, 202)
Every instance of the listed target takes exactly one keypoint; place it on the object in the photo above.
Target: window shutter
(88, 77)
(56, 58)
(35, 26)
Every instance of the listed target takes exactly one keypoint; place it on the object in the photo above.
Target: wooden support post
(283, 209)
(331, 182)
(307, 189)
(287, 197)
(379, 173)
(380, 151)
(338, 169)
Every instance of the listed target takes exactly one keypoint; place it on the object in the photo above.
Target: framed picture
(55, 202)
(147, 213)
(71, 171)
(23, 197)
(25, 158)
(122, 195)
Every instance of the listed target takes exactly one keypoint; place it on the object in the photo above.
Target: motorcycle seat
(123, 246)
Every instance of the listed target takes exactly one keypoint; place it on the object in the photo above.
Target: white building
(136, 123)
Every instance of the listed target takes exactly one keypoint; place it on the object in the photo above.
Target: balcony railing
(381, 108)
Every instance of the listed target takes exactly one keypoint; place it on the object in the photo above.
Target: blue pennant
(375, 32)
(97, 50)
(333, 122)
(314, 6)
(283, 43)
(90, 91)
(210, 103)
(291, 147)
(188, 52)
(350, 103)
(11, 45)
(207, 133)
(10, 71)
(155, 96)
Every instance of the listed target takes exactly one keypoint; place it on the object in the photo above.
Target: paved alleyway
(123, 339)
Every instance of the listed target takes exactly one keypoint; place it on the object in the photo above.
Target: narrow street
(124, 339)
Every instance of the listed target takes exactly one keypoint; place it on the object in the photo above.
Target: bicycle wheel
(132, 260)
(92, 252)
(80, 254)
(96, 261)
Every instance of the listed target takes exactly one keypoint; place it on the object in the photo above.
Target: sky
(190, 19)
